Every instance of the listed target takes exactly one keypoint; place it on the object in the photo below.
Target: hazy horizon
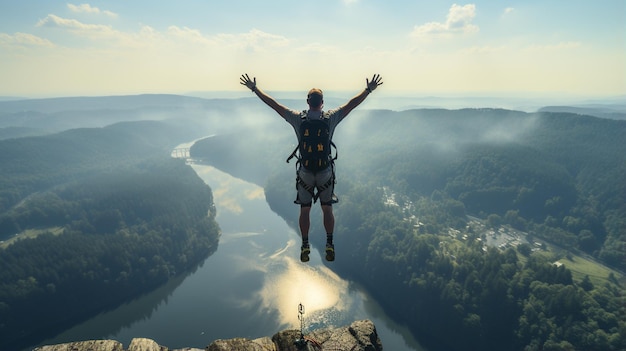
(399, 101)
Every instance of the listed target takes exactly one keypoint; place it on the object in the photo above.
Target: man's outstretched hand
(374, 83)
(249, 83)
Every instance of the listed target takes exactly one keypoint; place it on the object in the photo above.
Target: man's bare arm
(358, 99)
(251, 84)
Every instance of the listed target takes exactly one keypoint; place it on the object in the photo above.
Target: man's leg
(329, 225)
(305, 199)
(326, 179)
(305, 223)
(329, 218)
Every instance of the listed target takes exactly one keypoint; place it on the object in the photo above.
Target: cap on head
(315, 98)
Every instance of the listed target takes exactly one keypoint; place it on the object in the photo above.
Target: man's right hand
(249, 83)
(374, 83)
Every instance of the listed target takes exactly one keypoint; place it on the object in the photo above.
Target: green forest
(460, 295)
(94, 216)
(91, 218)
(557, 177)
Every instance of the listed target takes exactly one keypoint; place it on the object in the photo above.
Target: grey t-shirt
(294, 118)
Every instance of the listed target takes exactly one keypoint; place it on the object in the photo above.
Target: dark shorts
(315, 180)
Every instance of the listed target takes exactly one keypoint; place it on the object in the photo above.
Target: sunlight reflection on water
(287, 281)
(317, 288)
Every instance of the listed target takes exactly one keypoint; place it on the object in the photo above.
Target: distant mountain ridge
(58, 114)
(8, 98)
(601, 111)
(118, 102)
(296, 100)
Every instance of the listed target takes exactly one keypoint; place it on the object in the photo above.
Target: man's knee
(305, 211)
(328, 198)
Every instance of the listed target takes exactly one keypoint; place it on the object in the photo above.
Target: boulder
(91, 345)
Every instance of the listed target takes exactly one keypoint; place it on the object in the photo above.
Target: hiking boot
(304, 253)
(330, 252)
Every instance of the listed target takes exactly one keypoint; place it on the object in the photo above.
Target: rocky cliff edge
(358, 336)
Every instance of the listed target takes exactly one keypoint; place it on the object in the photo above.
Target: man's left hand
(249, 83)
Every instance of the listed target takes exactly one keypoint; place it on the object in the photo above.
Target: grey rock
(358, 336)
(91, 345)
(242, 344)
(143, 344)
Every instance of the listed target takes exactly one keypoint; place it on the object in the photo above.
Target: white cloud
(99, 32)
(91, 31)
(56, 21)
(23, 39)
(86, 8)
(253, 41)
(458, 21)
(508, 10)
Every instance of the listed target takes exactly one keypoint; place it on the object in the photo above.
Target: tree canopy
(114, 217)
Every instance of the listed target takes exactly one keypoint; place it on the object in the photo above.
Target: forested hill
(552, 183)
(561, 172)
(478, 228)
(558, 175)
(93, 217)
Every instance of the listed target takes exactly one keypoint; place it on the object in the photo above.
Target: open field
(581, 266)
(29, 234)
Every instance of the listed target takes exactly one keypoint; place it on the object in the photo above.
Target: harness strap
(306, 187)
(293, 154)
(327, 184)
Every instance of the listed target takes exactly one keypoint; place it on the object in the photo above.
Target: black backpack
(315, 145)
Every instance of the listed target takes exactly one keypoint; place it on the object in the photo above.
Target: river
(250, 287)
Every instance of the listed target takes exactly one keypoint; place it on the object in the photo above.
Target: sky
(507, 48)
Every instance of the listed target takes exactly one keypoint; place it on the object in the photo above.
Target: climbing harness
(300, 151)
(311, 189)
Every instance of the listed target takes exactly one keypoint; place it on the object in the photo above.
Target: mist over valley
(91, 203)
